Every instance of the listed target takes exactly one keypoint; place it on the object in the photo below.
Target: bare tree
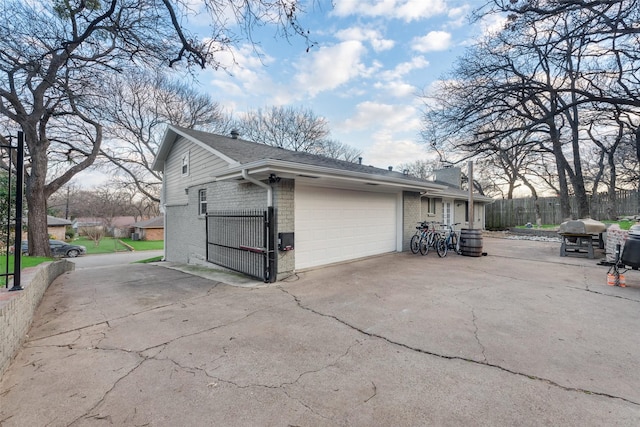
(543, 75)
(54, 57)
(136, 115)
(293, 128)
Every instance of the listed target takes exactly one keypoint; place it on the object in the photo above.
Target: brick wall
(410, 217)
(284, 204)
(185, 229)
(17, 308)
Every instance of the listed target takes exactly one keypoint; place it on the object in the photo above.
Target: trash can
(631, 252)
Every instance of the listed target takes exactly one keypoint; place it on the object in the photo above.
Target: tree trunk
(638, 158)
(561, 165)
(37, 230)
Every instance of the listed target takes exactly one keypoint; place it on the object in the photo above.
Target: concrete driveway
(519, 337)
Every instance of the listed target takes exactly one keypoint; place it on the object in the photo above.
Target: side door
(447, 212)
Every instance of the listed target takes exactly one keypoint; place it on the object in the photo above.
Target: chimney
(390, 168)
(235, 134)
(359, 160)
(450, 175)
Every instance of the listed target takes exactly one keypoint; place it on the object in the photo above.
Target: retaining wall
(17, 308)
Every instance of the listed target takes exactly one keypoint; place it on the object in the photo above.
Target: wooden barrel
(471, 242)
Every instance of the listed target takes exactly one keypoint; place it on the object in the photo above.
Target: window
(431, 205)
(202, 202)
(185, 164)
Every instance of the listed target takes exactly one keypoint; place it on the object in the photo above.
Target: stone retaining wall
(17, 308)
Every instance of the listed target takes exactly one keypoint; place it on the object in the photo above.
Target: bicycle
(421, 231)
(431, 239)
(451, 242)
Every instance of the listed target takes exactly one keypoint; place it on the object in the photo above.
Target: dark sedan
(59, 249)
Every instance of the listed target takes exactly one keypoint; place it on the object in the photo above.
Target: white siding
(203, 166)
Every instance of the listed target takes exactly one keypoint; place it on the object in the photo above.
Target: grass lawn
(26, 261)
(145, 245)
(109, 245)
(624, 225)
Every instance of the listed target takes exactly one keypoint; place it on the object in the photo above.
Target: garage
(334, 225)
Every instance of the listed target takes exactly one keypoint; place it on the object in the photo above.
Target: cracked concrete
(521, 336)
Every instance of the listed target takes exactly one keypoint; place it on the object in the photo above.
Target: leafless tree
(293, 128)
(54, 57)
(136, 113)
(544, 75)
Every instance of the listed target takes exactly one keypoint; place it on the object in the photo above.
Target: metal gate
(243, 241)
(11, 207)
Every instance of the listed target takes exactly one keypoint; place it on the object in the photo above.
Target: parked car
(59, 249)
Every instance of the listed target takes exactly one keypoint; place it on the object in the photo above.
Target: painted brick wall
(284, 203)
(185, 228)
(17, 308)
(411, 217)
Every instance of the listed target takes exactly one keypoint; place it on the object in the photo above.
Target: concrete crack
(459, 358)
(586, 289)
(106, 393)
(475, 334)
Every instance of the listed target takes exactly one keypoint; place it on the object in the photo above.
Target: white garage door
(337, 225)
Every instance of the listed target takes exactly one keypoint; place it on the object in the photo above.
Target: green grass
(148, 260)
(624, 225)
(145, 245)
(107, 245)
(26, 261)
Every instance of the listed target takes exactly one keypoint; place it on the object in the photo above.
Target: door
(333, 225)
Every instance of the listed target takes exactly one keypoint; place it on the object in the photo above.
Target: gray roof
(259, 160)
(54, 221)
(156, 222)
(244, 152)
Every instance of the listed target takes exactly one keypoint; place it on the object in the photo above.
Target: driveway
(518, 337)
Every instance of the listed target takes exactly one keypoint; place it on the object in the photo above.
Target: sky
(371, 61)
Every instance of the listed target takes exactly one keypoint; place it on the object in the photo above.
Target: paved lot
(519, 337)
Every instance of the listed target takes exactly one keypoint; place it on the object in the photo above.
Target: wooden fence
(503, 214)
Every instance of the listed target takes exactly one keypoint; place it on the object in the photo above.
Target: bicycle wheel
(455, 244)
(441, 247)
(415, 244)
(424, 246)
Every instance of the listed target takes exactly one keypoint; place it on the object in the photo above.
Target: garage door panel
(336, 225)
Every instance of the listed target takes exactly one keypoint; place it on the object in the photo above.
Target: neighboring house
(150, 229)
(119, 226)
(326, 210)
(57, 227)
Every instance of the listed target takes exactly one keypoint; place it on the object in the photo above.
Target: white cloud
(396, 89)
(492, 24)
(374, 37)
(373, 115)
(330, 67)
(433, 41)
(388, 150)
(458, 16)
(404, 68)
(407, 10)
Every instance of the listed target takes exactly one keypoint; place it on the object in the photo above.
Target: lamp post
(17, 251)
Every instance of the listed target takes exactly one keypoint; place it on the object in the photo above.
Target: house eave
(262, 169)
(169, 137)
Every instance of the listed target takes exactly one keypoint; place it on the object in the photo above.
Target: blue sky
(371, 61)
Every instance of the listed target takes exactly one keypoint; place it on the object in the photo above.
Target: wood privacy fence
(503, 214)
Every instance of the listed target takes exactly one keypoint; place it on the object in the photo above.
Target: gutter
(246, 176)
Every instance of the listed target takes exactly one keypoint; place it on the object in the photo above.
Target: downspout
(271, 270)
(246, 176)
